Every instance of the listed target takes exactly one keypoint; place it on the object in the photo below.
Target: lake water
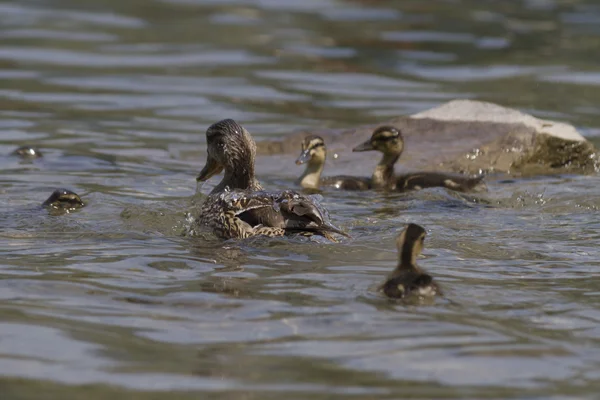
(112, 301)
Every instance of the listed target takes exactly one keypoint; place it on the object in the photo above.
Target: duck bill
(304, 157)
(366, 146)
(211, 168)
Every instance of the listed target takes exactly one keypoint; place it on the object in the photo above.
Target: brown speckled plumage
(238, 207)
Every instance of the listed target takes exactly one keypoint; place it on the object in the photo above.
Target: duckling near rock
(314, 154)
(389, 141)
(63, 199)
(27, 152)
(408, 279)
(238, 207)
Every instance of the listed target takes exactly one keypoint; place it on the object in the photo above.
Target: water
(114, 302)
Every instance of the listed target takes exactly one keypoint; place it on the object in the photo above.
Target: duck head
(390, 142)
(385, 139)
(410, 244)
(63, 199)
(231, 148)
(27, 152)
(313, 150)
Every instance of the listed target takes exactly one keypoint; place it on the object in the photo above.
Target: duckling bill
(314, 154)
(408, 279)
(239, 207)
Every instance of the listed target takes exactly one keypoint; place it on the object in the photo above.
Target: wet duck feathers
(238, 207)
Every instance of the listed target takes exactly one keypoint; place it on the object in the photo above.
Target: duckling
(63, 199)
(27, 152)
(389, 141)
(238, 207)
(408, 279)
(314, 154)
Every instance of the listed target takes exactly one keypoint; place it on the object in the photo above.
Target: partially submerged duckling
(238, 207)
(408, 279)
(314, 154)
(63, 199)
(27, 152)
(389, 141)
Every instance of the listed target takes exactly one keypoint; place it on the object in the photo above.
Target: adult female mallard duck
(314, 154)
(408, 279)
(389, 141)
(238, 207)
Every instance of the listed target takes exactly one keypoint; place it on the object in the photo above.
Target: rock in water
(466, 136)
(524, 145)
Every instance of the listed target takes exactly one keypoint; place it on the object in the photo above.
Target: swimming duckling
(27, 152)
(238, 207)
(389, 141)
(408, 279)
(63, 199)
(314, 154)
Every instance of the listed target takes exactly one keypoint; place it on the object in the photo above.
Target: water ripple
(114, 301)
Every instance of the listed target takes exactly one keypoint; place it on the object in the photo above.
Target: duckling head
(63, 199)
(229, 147)
(27, 152)
(385, 139)
(410, 244)
(313, 150)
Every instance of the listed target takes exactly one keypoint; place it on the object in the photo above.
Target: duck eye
(211, 133)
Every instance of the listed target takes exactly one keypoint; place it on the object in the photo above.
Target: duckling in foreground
(408, 279)
(238, 207)
(314, 154)
(389, 141)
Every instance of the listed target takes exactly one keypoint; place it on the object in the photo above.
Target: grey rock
(462, 136)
